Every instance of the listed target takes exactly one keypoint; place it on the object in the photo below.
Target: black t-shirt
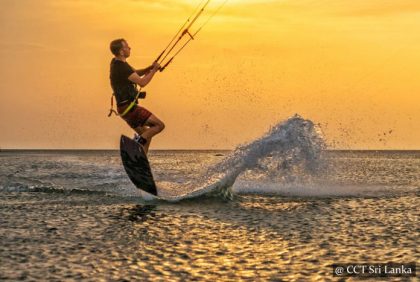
(124, 89)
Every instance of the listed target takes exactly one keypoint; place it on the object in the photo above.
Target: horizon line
(87, 149)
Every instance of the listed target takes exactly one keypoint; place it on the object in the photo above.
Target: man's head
(119, 47)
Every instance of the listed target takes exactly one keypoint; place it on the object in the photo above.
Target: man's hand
(155, 66)
(147, 77)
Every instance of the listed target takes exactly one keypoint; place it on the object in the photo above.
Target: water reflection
(141, 212)
(253, 238)
(261, 237)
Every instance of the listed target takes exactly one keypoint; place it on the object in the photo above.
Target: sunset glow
(350, 66)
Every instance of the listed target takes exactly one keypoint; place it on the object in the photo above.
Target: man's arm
(142, 72)
(144, 80)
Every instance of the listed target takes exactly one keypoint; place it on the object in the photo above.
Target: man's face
(125, 50)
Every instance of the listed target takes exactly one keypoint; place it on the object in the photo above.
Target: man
(123, 81)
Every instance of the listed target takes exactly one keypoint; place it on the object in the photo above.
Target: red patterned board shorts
(137, 116)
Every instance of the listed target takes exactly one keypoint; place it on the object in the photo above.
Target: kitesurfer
(124, 79)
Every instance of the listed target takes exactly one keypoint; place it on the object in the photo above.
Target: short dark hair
(116, 46)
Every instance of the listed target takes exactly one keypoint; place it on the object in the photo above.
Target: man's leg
(141, 129)
(152, 127)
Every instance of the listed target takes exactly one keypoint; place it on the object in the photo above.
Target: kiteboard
(138, 169)
(137, 165)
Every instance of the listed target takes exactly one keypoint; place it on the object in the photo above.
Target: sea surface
(297, 209)
(76, 215)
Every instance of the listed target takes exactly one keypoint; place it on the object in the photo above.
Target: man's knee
(161, 126)
(156, 123)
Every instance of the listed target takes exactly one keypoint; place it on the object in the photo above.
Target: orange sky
(351, 66)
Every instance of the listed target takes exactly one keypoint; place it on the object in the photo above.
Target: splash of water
(296, 142)
(294, 145)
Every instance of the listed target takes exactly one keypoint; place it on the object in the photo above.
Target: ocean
(75, 215)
